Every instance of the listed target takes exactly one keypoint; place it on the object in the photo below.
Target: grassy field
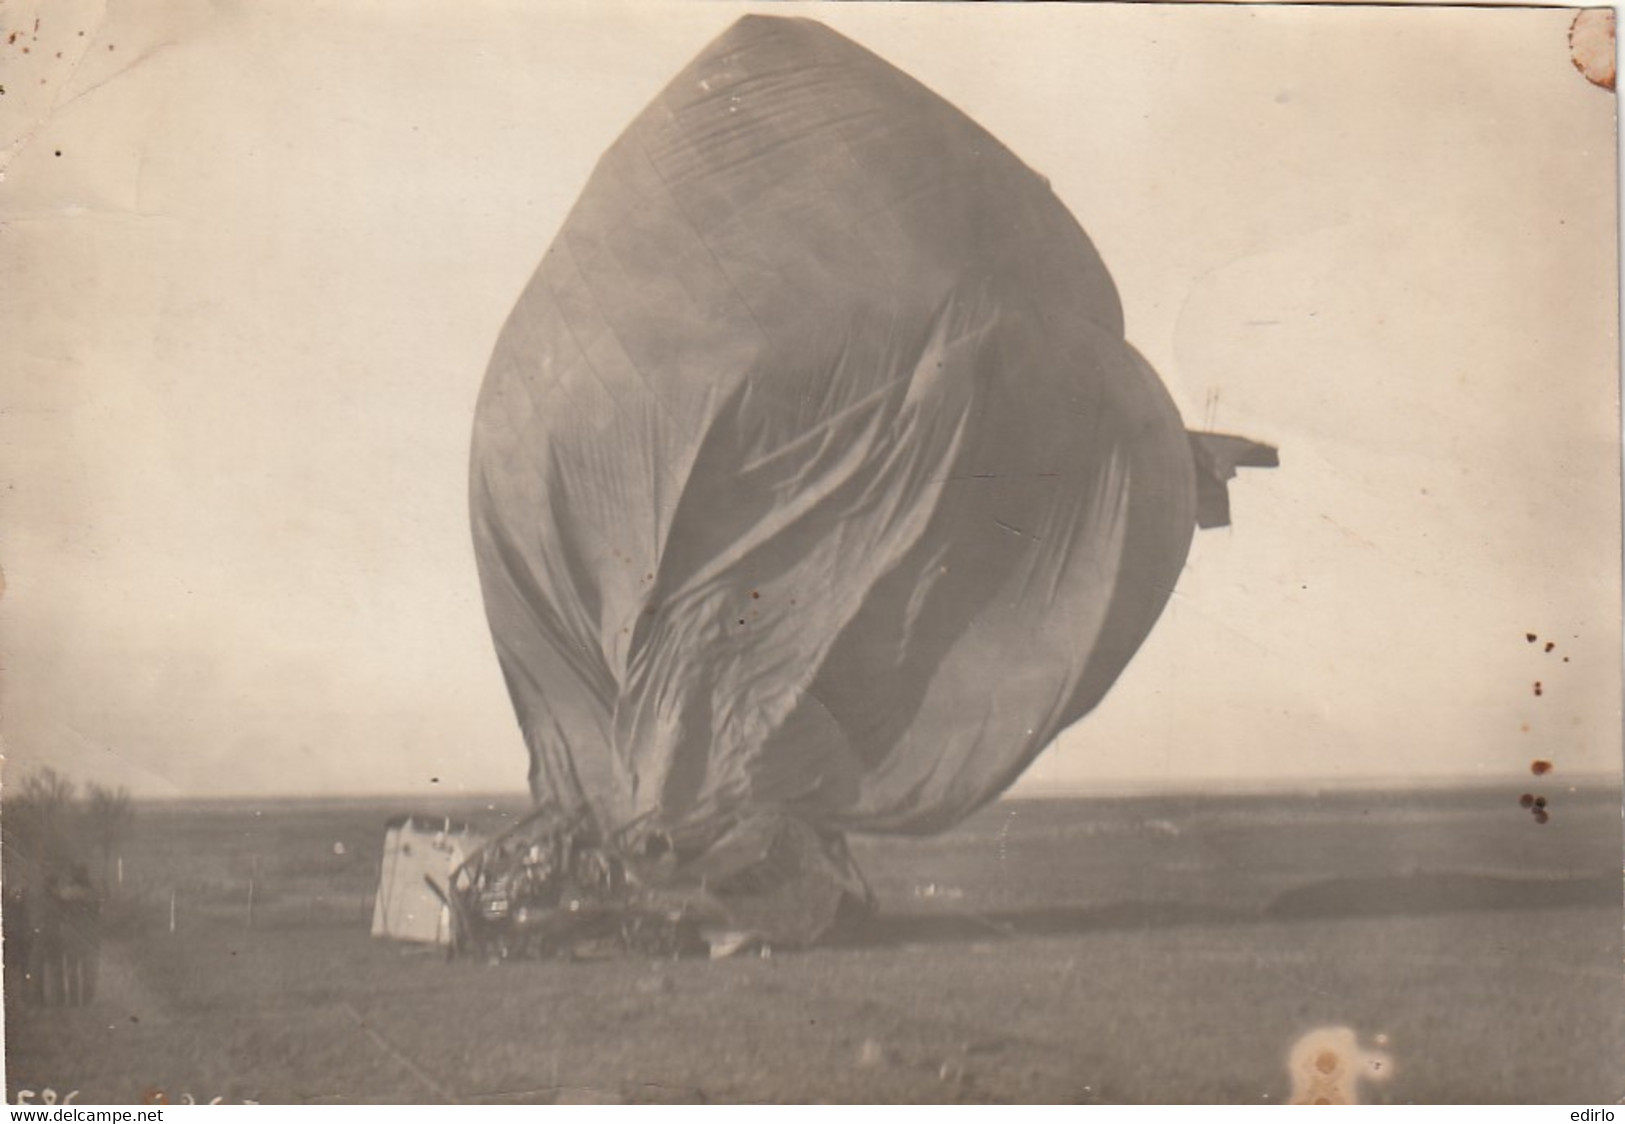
(1079, 950)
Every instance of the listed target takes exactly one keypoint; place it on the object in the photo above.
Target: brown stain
(1538, 690)
(1531, 637)
(1591, 46)
(1536, 807)
(1328, 1064)
(1550, 644)
(1540, 766)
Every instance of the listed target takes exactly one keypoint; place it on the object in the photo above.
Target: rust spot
(12, 38)
(1540, 802)
(1550, 644)
(1526, 801)
(1531, 637)
(1541, 815)
(755, 595)
(1540, 766)
(1538, 691)
(1591, 46)
(1326, 1062)
(153, 1095)
(1524, 727)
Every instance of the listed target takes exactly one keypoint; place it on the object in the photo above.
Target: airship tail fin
(1217, 457)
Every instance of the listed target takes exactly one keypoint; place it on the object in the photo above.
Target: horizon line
(1043, 790)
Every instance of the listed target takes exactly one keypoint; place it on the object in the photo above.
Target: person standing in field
(45, 959)
(80, 931)
(18, 947)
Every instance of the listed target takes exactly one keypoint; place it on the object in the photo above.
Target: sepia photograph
(672, 552)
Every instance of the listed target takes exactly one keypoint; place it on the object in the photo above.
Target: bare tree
(110, 814)
(39, 817)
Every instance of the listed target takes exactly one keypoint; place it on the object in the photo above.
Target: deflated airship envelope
(811, 470)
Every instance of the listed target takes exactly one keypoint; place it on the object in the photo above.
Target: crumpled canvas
(811, 470)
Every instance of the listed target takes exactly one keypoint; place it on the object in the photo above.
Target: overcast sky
(255, 256)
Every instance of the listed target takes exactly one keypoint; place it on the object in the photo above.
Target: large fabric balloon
(812, 471)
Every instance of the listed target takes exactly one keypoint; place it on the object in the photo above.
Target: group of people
(53, 940)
